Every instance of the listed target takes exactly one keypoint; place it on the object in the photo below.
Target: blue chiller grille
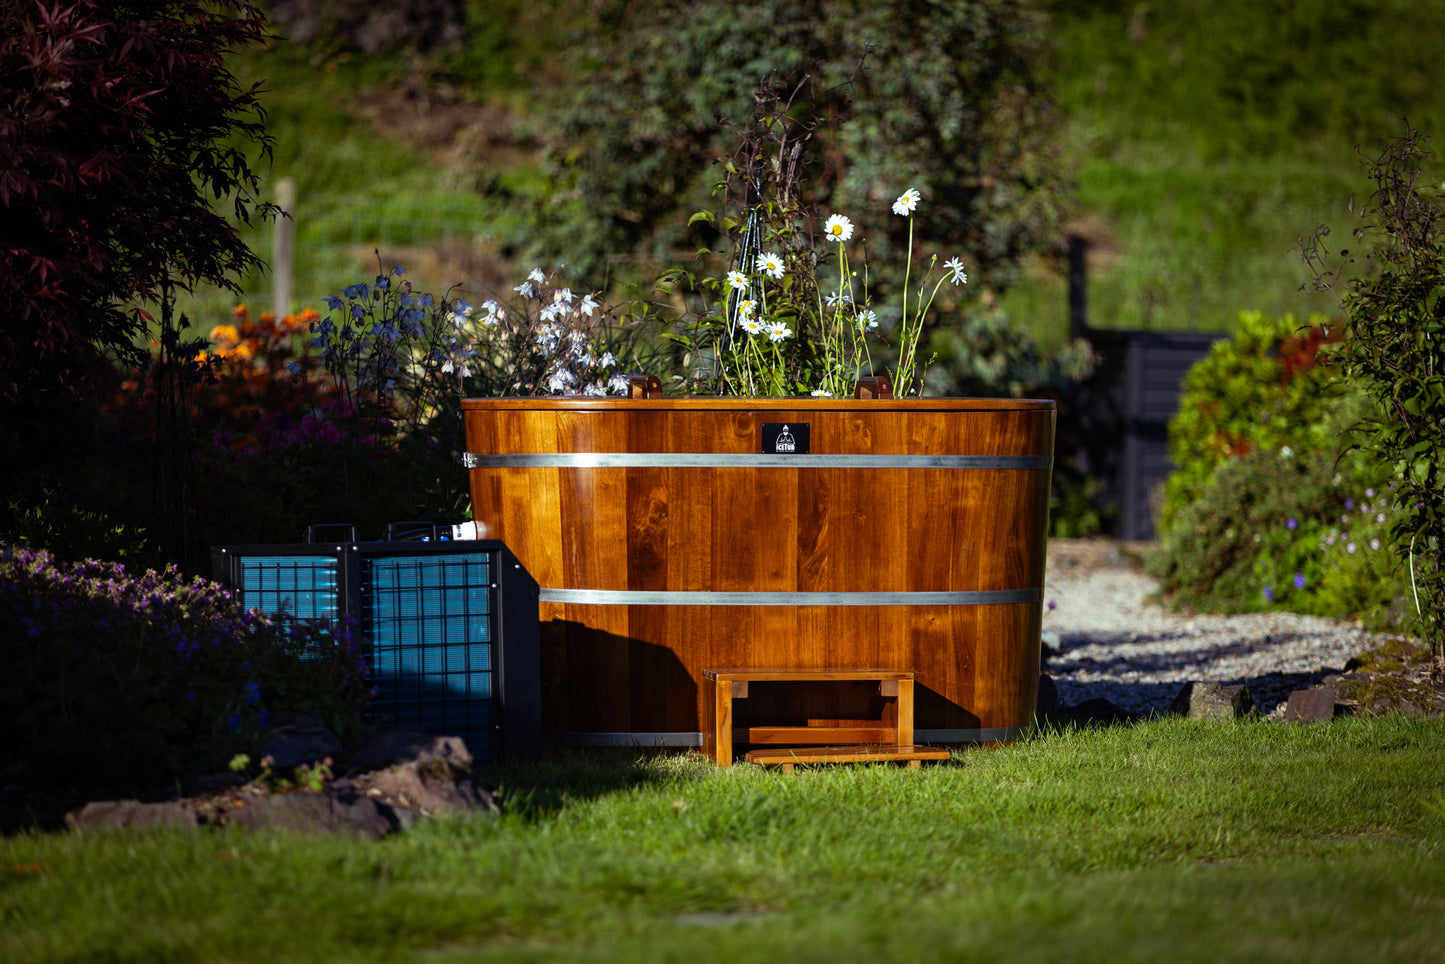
(429, 623)
(301, 587)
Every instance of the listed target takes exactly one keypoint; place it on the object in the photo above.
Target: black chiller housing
(449, 628)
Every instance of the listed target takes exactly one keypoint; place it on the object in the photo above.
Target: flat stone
(387, 748)
(338, 810)
(1048, 702)
(1211, 701)
(1311, 706)
(1098, 710)
(431, 788)
(114, 814)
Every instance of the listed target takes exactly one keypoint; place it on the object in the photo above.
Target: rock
(1051, 644)
(339, 809)
(1098, 710)
(381, 749)
(303, 741)
(431, 788)
(114, 814)
(1211, 701)
(1312, 705)
(1048, 702)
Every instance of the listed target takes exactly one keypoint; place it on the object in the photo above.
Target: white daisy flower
(777, 331)
(822, 393)
(907, 202)
(737, 280)
(770, 264)
(956, 266)
(838, 228)
(868, 318)
(752, 326)
(747, 308)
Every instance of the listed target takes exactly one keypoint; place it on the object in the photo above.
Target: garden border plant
(146, 678)
(1396, 327)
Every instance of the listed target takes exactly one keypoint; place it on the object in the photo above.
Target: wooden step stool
(891, 739)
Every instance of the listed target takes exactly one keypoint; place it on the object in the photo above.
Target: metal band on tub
(624, 597)
(725, 460)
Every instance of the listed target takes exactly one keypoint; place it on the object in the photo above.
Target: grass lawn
(1171, 840)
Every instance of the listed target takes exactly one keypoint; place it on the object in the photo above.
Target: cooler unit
(449, 627)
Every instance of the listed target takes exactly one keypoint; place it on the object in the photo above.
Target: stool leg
(723, 722)
(905, 712)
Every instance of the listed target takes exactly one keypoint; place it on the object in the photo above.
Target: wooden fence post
(282, 248)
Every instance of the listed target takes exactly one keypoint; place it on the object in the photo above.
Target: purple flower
(252, 694)
(1299, 580)
(1349, 504)
(1052, 605)
(1291, 523)
(1269, 593)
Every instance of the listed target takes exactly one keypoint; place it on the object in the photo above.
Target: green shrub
(142, 678)
(1267, 506)
(1264, 388)
(1396, 324)
(71, 530)
(1276, 530)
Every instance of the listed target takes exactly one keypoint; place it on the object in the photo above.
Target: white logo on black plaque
(779, 439)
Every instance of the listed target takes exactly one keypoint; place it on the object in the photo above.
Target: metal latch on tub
(470, 460)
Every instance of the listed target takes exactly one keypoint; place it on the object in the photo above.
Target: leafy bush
(1258, 513)
(71, 531)
(1264, 388)
(111, 676)
(1396, 325)
(949, 100)
(1276, 530)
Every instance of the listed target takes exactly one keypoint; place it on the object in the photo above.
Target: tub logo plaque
(785, 439)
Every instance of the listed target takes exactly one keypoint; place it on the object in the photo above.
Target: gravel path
(1111, 642)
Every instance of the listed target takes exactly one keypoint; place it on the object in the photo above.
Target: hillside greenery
(1204, 139)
